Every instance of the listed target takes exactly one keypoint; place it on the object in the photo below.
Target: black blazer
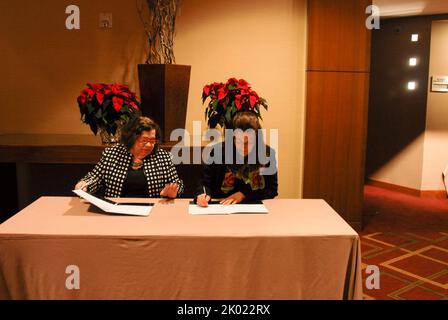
(213, 176)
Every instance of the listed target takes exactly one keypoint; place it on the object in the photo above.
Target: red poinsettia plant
(107, 106)
(227, 99)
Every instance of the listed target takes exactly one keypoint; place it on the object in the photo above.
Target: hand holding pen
(83, 185)
(203, 199)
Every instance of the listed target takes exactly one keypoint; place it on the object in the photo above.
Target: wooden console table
(50, 164)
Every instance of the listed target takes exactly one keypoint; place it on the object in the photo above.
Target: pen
(205, 192)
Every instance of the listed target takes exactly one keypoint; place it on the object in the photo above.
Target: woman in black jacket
(136, 167)
(242, 176)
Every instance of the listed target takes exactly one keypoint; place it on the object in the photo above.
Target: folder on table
(109, 206)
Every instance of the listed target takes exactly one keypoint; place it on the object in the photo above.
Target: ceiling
(399, 8)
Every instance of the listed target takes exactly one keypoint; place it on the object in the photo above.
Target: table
(302, 249)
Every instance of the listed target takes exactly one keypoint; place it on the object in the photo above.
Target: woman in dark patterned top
(136, 167)
(252, 178)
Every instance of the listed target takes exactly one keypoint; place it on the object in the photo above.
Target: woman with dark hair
(136, 167)
(244, 178)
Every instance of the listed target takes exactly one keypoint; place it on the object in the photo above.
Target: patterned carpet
(407, 238)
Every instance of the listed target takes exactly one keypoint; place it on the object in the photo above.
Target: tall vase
(164, 95)
(108, 139)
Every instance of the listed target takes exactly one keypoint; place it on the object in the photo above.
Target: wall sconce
(414, 37)
(412, 62)
(412, 85)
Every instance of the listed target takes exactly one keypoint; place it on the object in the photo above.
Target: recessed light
(414, 37)
(412, 62)
(412, 85)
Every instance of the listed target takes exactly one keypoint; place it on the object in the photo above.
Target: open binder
(109, 206)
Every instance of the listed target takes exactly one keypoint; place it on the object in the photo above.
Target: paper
(115, 207)
(227, 209)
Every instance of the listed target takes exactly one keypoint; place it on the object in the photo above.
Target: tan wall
(435, 157)
(405, 169)
(45, 66)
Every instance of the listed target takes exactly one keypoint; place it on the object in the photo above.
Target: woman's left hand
(170, 190)
(237, 197)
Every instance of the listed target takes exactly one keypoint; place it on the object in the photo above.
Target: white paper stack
(227, 209)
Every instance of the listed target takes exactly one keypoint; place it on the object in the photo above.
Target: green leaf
(215, 105)
(89, 107)
(229, 115)
(99, 114)
(233, 107)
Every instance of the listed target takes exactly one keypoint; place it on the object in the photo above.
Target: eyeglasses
(247, 140)
(145, 142)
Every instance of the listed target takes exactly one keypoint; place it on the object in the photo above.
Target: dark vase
(164, 95)
(109, 139)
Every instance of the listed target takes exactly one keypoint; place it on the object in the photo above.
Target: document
(137, 209)
(227, 209)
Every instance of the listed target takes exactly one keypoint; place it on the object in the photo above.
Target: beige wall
(405, 168)
(435, 157)
(45, 66)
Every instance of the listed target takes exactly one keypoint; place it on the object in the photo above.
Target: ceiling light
(412, 85)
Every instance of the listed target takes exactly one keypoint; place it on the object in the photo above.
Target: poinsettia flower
(99, 97)
(107, 91)
(238, 103)
(82, 100)
(117, 102)
(232, 81)
(96, 86)
(206, 90)
(235, 93)
(115, 88)
(89, 93)
(222, 93)
(243, 84)
(252, 92)
(253, 99)
(125, 95)
(243, 91)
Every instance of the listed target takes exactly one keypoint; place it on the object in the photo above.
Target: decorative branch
(159, 19)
